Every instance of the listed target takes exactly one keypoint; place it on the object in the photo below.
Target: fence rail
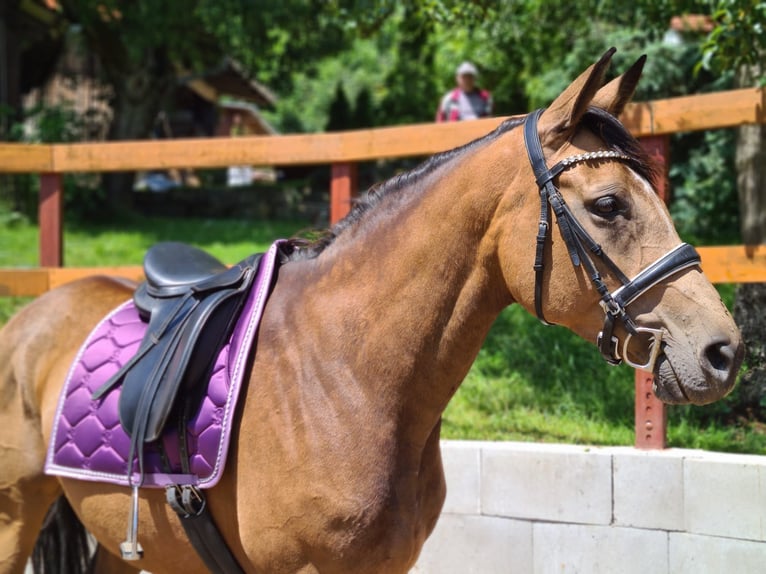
(658, 117)
(650, 121)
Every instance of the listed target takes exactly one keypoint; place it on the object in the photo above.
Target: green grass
(529, 383)
(532, 382)
(125, 242)
(536, 383)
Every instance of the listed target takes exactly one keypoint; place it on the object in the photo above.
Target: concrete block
(462, 466)
(561, 483)
(477, 545)
(587, 549)
(648, 489)
(723, 496)
(695, 554)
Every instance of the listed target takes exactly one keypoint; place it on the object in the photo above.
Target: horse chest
(383, 529)
(352, 508)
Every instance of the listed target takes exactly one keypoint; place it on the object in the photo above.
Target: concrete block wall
(518, 508)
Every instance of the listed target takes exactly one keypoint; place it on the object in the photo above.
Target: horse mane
(599, 121)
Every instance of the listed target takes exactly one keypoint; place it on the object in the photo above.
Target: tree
(411, 93)
(340, 111)
(143, 46)
(738, 41)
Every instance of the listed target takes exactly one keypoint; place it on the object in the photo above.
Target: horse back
(39, 343)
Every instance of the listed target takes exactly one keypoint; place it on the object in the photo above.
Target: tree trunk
(751, 297)
(139, 92)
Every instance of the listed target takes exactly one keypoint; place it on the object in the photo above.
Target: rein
(582, 247)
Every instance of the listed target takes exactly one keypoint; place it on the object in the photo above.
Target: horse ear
(616, 94)
(565, 112)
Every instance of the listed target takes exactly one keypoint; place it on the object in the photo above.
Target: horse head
(613, 268)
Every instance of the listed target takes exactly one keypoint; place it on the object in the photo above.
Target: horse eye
(606, 206)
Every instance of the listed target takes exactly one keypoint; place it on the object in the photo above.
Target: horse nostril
(720, 355)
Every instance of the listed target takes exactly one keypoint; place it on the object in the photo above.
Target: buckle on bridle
(620, 355)
(655, 346)
(611, 307)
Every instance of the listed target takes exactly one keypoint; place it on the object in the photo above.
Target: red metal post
(651, 415)
(51, 219)
(342, 190)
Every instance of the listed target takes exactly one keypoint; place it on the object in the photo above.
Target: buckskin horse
(369, 331)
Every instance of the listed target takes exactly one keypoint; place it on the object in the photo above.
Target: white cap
(467, 68)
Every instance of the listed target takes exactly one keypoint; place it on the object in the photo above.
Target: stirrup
(130, 549)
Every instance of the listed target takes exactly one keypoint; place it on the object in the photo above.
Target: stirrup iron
(131, 549)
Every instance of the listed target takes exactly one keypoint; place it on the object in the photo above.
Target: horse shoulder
(317, 464)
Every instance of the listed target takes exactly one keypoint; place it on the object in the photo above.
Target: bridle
(581, 245)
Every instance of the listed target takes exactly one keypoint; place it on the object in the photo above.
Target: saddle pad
(88, 442)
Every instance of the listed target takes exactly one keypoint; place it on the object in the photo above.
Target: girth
(582, 247)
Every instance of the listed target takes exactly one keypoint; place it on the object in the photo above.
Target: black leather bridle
(582, 247)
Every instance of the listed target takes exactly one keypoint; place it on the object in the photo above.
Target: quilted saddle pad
(88, 442)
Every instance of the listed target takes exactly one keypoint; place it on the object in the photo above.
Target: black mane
(600, 122)
(611, 131)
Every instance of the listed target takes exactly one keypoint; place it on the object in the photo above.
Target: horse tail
(62, 546)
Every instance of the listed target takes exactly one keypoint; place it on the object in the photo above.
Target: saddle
(191, 301)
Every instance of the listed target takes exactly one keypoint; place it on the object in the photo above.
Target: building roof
(251, 116)
(228, 79)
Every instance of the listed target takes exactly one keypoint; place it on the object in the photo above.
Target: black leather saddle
(192, 302)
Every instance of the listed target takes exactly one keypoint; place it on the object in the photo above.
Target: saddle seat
(192, 302)
(172, 269)
(175, 266)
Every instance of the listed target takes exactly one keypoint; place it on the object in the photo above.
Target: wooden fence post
(342, 190)
(51, 220)
(651, 415)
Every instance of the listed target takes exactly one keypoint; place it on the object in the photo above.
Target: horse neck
(414, 291)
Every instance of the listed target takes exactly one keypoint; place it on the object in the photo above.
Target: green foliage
(362, 68)
(703, 179)
(340, 111)
(269, 35)
(738, 38)
(51, 124)
(412, 94)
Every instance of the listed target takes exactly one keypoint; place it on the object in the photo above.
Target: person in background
(466, 101)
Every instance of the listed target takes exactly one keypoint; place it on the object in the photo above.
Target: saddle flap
(177, 364)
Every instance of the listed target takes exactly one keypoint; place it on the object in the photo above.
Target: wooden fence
(652, 122)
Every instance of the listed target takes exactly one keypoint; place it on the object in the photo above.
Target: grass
(125, 242)
(537, 383)
(529, 382)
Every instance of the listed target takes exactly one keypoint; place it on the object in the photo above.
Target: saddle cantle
(191, 301)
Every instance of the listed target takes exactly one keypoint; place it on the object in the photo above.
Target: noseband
(582, 247)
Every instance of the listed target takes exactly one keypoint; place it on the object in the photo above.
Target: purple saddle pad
(88, 442)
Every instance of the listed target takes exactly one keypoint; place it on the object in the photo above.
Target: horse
(368, 332)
